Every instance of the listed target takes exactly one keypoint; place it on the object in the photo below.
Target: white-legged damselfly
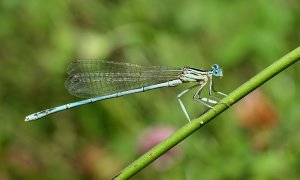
(98, 80)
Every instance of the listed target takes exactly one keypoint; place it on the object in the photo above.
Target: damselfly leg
(212, 89)
(197, 97)
(180, 102)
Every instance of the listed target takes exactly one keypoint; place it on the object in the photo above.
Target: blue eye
(215, 66)
(216, 71)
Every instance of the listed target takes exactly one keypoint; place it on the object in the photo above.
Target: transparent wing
(90, 78)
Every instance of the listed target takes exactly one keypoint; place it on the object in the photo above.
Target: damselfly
(99, 80)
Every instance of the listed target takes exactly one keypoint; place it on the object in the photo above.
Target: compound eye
(215, 66)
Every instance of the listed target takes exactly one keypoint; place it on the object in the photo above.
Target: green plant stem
(189, 128)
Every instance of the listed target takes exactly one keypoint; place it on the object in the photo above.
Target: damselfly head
(216, 70)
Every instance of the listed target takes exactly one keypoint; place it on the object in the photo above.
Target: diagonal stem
(191, 127)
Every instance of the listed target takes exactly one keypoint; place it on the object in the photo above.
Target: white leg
(211, 88)
(181, 104)
(197, 98)
(209, 101)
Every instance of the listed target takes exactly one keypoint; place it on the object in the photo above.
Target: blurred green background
(257, 138)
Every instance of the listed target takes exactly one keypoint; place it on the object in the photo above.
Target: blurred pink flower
(257, 115)
(256, 112)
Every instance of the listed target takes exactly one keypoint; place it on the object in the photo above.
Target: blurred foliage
(39, 38)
